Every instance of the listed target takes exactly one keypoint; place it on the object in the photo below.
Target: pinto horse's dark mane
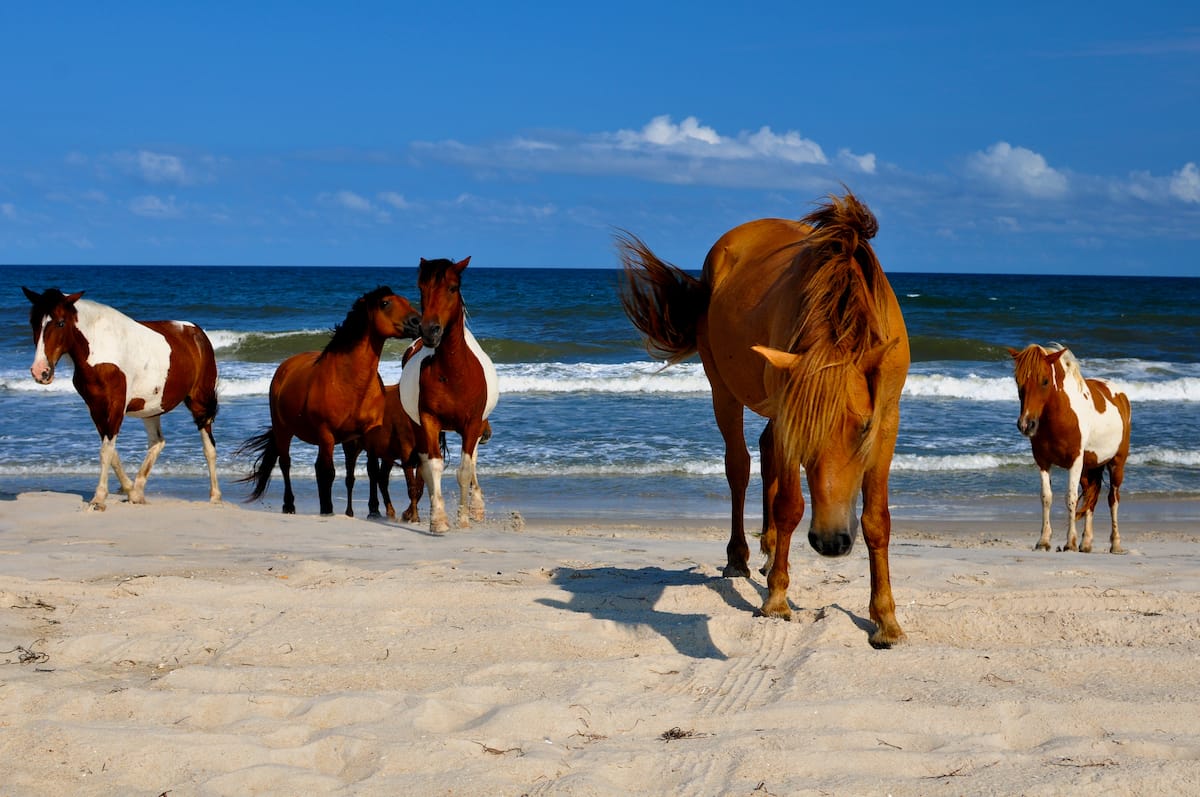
(354, 327)
(434, 268)
(47, 301)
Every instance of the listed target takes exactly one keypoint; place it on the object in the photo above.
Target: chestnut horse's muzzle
(836, 543)
(431, 334)
(1027, 426)
(43, 375)
(412, 326)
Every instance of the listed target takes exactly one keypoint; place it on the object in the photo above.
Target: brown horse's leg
(431, 472)
(375, 486)
(155, 443)
(770, 482)
(470, 495)
(284, 444)
(325, 476)
(416, 488)
(209, 444)
(877, 533)
(1043, 543)
(350, 449)
(1116, 474)
(728, 413)
(787, 510)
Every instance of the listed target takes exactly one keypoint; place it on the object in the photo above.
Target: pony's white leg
(1114, 540)
(115, 464)
(470, 496)
(210, 456)
(1073, 475)
(431, 470)
(1085, 545)
(108, 449)
(1043, 543)
(155, 442)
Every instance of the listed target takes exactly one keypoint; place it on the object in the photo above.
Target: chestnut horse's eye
(61, 323)
(385, 303)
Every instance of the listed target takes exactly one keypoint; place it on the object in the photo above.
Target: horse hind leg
(1116, 474)
(155, 443)
(770, 484)
(350, 450)
(209, 444)
(470, 495)
(416, 488)
(728, 413)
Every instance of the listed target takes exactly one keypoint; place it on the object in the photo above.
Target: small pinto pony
(449, 384)
(126, 367)
(329, 397)
(1075, 423)
(795, 320)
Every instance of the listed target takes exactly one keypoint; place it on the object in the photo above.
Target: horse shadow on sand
(628, 596)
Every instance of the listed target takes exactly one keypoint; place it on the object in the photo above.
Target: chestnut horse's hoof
(778, 610)
(736, 570)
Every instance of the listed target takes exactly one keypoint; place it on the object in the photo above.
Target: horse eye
(61, 323)
(1045, 383)
(386, 302)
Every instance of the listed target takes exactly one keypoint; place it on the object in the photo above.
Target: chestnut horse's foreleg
(155, 443)
(877, 533)
(787, 509)
(470, 495)
(770, 486)
(325, 476)
(1073, 476)
(728, 413)
(416, 488)
(108, 451)
(350, 449)
(1043, 543)
(1116, 474)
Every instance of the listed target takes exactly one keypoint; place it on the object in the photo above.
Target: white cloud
(155, 167)
(1019, 170)
(394, 199)
(352, 201)
(1185, 183)
(864, 163)
(155, 207)
(8, 210)
(690, 138)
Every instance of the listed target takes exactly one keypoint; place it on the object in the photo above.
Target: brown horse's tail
(664, 302)
(267, 454)
(1090, 495)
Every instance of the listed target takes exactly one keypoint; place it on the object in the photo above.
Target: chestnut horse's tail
(267, 454)
(663, 301)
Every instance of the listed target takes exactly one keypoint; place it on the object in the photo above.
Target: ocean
(589, 426)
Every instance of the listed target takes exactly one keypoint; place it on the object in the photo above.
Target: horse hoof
(736, 570)
(885, 641)
(95, 507)
(1117, 549)
(374, 515)
(778, 612)
(289, 510)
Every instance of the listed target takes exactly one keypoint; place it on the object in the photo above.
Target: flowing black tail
(267, 454)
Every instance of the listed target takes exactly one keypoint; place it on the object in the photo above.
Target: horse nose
(431, 334)
(41, 375)
(412, 326)
(837, 542)
(1027, 426)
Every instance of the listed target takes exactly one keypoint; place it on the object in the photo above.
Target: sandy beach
(182, 648)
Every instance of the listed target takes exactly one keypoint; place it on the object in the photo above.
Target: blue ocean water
(588, 425)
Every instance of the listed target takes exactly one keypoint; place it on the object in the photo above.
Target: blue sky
(1029, 138)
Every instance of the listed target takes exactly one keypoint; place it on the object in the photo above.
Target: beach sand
(181, 648)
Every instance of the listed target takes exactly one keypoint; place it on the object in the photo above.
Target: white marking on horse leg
(431, 470)
(108, 449)
(1114, 539)
(155, 442)
(470, 497)
(1073, 474)
(1085, 545)
(210, 456)
(1043, 543)
(117, 468)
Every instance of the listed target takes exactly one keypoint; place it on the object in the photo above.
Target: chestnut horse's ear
(30, 295)
(1053, 358)
(782, 360)
(874, 358)
(1013, 352)
(74, 297)
(462, 264)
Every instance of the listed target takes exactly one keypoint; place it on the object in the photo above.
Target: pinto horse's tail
(263, 446)
(663, 301)
(1090, 495)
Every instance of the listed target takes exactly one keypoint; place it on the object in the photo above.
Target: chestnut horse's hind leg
(770, 488)
(470, 495)
(350, 449)
(209, 444)
(1116, 474)
(377, 487)
(284, 444)
(787, 509)
(155, 443)
(325, 476)
(728, 413)
(416, 488)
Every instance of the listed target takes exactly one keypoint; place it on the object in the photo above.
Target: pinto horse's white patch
(142, 354)
(410, 378)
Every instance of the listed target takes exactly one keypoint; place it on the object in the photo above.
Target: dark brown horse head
(440, 282)
(380, 313)
(1039, 373)
(52, 318)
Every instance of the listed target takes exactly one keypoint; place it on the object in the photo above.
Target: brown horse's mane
(348, 333)
(1029, 364)
(841, 314)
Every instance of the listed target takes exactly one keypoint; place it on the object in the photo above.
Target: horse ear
(874, 358)
(1053, 358)
(30, 295)
(782, 360)
(74, 297)
(462, 264)
(1013, 352)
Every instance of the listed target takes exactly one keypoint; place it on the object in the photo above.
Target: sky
(1033, 138)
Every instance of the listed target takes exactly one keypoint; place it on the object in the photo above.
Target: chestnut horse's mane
(841, 314)
(354, 327)
(1030, 361)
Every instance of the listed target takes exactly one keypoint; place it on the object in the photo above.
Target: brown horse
(386, 445)
(796, 321)
(449, 385)
(126, 367)
(330, 397)
(1078, 424)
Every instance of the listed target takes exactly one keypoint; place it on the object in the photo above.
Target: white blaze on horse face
(40, 370)
(142, 354)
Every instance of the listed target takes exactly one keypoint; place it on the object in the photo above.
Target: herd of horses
(794, 320)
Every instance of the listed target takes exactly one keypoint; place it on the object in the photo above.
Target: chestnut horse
(1078, 424)
(795, 320)
(329, 397)
(392, 442)
(126, 367)
(450, 384)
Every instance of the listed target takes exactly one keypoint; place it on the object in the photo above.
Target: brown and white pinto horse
(329, 397)
(126, 367)
(1078, 424)
(450, 384)
(810, 298)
